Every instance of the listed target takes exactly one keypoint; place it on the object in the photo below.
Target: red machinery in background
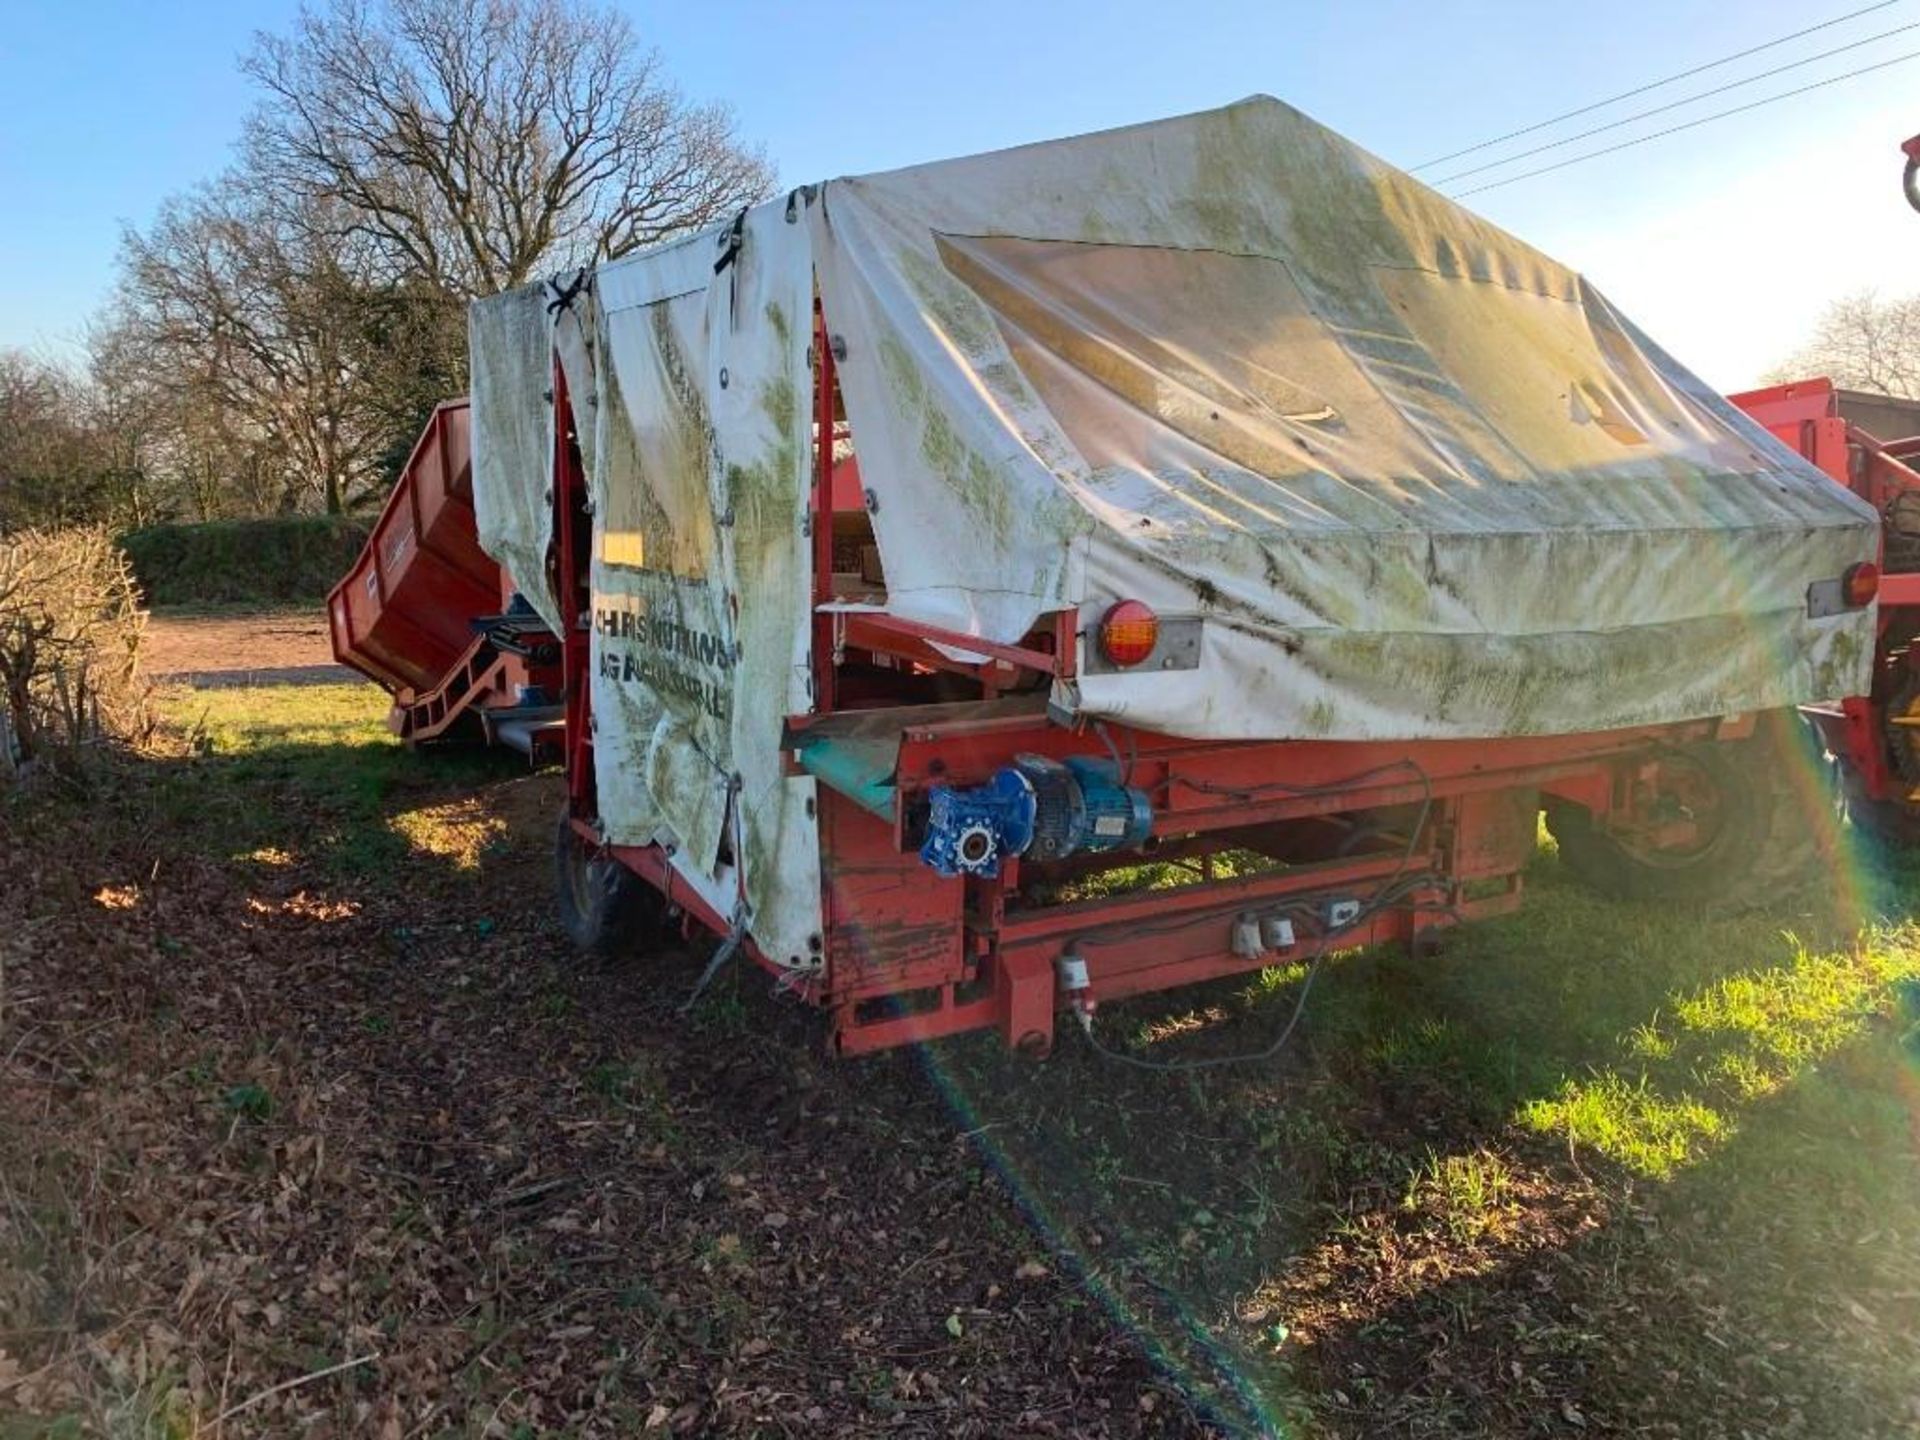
(432, 618)
(1874, 738)
(1867, 443)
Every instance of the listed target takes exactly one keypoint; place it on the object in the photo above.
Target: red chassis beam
(912, 955)
(1132, 945)
(1899, 590)
(911, 640)
(1199, 785)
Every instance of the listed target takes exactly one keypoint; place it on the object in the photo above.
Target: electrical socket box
(1342, 912)
(1277, 932)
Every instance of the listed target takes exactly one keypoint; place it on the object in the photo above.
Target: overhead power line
(1691, 124)
(1653, 85)
(1676, 104)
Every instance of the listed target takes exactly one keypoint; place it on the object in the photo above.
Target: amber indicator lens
(1128, 633)
(1860, 584)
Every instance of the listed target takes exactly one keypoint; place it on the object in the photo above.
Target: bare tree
(124, 414)
(475, 143)
(1864, 343)
(160, 414)
(281, 332)
(62, 461)
(239, 312)
(41, 440)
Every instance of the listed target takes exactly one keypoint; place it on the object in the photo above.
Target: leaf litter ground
(309, 1123)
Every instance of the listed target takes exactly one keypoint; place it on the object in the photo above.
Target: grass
(1682, 1078)
(323, 751)
(1161, 875)
(1644, 1037)
(249, 719)
(235, 610)
(298, 789)
(1468, 1192)
(1627, 1120)
(249, 1101)
(1634, 1090)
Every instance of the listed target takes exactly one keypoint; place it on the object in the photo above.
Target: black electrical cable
(1123, 767)
(1653, 85)
(1399, 887)
(1691, 124)
(1635, 118)
(1286, 787)
(1210, 1062)
(1383, 901)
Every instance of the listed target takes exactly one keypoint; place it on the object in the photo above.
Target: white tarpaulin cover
(1419, 479)
(510, 429)
(1410, 477)
(690, 392)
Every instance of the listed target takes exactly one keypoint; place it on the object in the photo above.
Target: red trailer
(1874, 738)
(1253, 854)
(1269, 849)
(433, 619)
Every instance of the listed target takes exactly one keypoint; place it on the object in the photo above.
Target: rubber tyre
(1776, 826)
(607, 911)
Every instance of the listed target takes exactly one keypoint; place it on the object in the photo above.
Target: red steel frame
(1805, 415)
(911, 955)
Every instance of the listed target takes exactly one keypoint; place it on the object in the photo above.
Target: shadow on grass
(200, 898)
(1768, 1287)
(269, 1058)
(281, 773)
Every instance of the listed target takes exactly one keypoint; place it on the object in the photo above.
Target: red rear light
(1860, 583)
(1128, 633)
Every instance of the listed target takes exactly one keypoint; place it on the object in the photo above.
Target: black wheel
(607, 910)
(1760, 818)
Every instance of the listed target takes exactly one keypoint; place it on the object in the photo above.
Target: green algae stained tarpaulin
(700, 582)
(690, 387)
(1415, 478)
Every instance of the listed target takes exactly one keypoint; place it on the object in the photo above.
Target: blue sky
(1723, 242)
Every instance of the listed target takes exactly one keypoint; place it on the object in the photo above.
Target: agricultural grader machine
(984, 590)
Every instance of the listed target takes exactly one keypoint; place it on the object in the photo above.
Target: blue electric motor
(1035, 807)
